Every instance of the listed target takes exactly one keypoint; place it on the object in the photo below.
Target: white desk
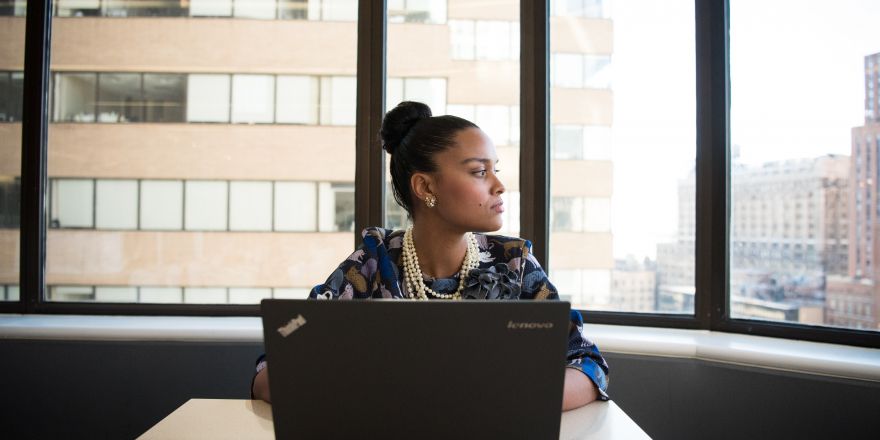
(252, 419)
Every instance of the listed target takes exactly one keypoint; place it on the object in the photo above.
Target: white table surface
(252, 419)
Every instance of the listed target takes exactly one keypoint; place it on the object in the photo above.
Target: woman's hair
(412, 137)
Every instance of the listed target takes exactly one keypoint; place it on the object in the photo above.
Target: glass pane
(468, 66)
(250, 206)
(622, 144)
(183, 170)
(116, 204)
(805, 166)
(12, 25)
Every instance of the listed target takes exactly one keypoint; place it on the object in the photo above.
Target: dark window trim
(712, 176)
(534, 122)
(369, 176)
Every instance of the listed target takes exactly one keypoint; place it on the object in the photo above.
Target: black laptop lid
(408, 369)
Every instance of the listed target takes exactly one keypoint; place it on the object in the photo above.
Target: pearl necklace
(413, 273)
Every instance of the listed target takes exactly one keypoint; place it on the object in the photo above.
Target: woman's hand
(261, 385)
(579, 390)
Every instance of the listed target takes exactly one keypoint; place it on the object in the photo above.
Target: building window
(253, 98)
(205, 205)
(590, 71)
(338, 99)
(78, 8)
(336, 207)
(164, 97)
(417, 11)
(74, 97)
(207, 98)
(296, 99)
(293, 9)
(11, 95)
(10, 202)
(581, 8)
(263, 9)
(13, 8)
(73, 203)
(116, 204)
(488, 40)
(431, 91)
(250, 206)
(499, 122)
(296, 206)
(161, 205)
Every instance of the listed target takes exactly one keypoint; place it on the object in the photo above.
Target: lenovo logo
(292, 326)
(528, 325)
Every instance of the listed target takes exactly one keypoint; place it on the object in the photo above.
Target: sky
(797, 89)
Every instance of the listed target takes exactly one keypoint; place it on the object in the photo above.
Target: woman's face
(467, 187)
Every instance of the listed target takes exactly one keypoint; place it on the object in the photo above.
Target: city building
(197, 149)
(788, 232)
(854, 299)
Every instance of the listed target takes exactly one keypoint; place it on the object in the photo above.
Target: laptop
(395, 369)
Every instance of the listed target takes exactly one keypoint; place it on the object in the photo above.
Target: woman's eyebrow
(478, 159)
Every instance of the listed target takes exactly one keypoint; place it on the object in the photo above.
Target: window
(250, 206)
(253, 98)
(205, 205)
(270, 126)
(571, 70)
(622, 190)
(11, 84)
(581, 8)
(336, 207)
(161, 204)
(416, 11)
(10, 202)
(119, 97)
(72, 203)
(483, 90)
(17, 8)
(116, 204)
(210, 8)
(827, 163)
(164, 97)
(207, 98)
(338, 100)
(296, 100)
(75, 95)
(296, 206)
(264, 9)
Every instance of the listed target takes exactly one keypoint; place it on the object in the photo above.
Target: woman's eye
(480, 173)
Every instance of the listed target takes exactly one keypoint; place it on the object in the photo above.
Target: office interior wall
(81, 389)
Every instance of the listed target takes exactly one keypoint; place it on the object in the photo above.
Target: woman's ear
(422, 185)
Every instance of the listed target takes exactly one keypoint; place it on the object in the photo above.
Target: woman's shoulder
(503, 246)
(389, 238)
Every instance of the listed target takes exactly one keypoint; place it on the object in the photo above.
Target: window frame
(712, 94)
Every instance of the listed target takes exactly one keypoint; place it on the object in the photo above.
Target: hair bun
(399, 121)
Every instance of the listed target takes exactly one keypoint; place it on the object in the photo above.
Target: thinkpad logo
(292, 326)
(528, 325)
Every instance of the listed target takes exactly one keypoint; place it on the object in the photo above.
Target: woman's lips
(498, 207)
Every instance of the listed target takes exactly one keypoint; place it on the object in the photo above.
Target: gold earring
(430, 200)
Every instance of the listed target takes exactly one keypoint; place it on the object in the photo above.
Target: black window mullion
(369, 209)
(534, 162)
(35, 105)
(712, 167)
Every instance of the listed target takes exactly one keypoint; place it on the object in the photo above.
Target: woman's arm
(579, 390)
(260, 388)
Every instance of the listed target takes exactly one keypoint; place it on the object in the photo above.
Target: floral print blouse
(374, 271)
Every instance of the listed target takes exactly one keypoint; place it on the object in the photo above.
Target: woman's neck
(440, 249)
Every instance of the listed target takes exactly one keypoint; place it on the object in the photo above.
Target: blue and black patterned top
(374, 271)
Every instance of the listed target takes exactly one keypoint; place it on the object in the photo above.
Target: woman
(443, 174)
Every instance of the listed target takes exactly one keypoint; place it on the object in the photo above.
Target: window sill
(754, 351)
